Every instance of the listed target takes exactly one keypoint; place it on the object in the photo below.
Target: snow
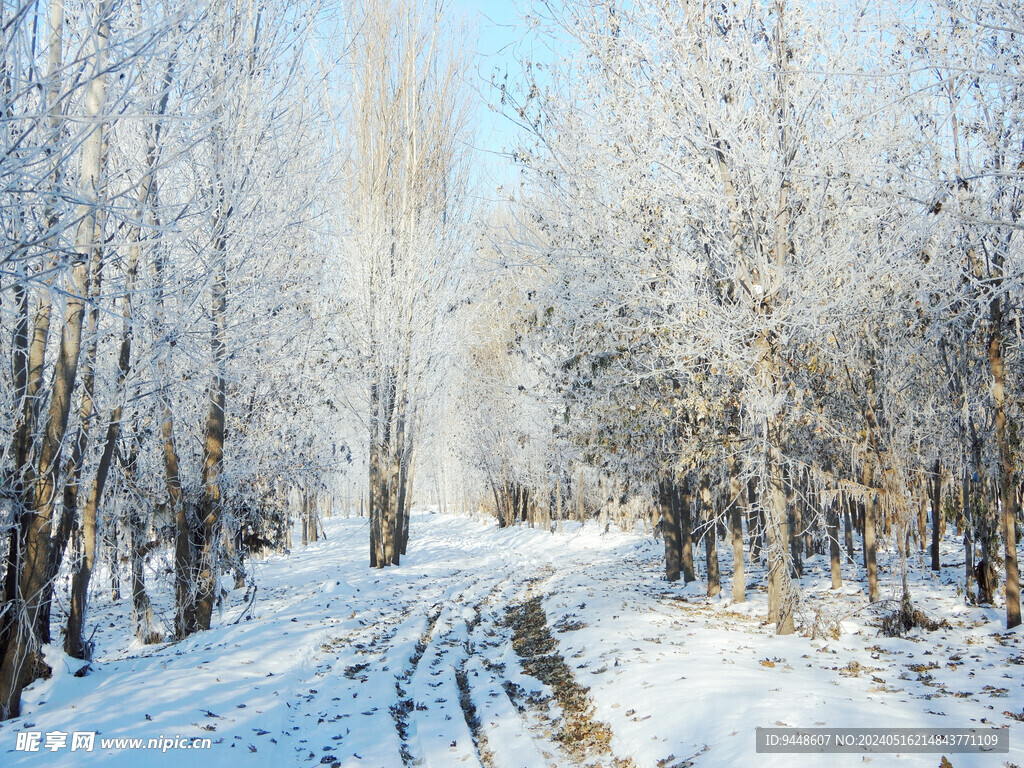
(342, 665)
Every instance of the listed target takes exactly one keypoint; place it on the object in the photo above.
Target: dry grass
(582, 735)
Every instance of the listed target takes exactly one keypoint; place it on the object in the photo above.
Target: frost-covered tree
(403, 224)
(150, 157)
(742, 213)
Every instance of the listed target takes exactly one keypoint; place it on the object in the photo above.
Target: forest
(748, 286)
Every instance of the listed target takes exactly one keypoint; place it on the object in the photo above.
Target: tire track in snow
(440, 684)
(512, 718)
(437, 727)
(505, 733)
(385, 639)
(455, 709)
(400, 711)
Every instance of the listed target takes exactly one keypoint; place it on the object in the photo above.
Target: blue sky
(502, 42)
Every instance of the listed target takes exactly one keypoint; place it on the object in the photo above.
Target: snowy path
(342, 666)
(440, 662)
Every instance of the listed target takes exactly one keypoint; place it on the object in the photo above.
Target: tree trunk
(581, 512)
(207, 569)
(110, 534)
(870, 561)
(180, 511)
(401, 488)
(736, 490)
(670, 528)
(20, 643)
(848, 526)
(796, 524)
(389, 521)
(407, 500)
(73, 469)
(29, 355)
(835, 556)
(924, 496)
(755, 521)
(711, 559)
(558, 500)
(710, 538)
(1007, 490)
(784, 592)
(374, 471)
(681, 497)
(984, 520)
(142, 611)
(74, 639)
(304, 515)
(936, 501)
(968, 520)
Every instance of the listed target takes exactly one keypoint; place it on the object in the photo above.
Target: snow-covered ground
(424, 664)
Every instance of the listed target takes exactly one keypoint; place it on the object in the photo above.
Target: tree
(741, 215)
(979, 184)
(123, 261)
(29, 573)
(406, 218)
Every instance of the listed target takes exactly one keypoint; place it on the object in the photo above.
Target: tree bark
(74, 639)
(848, 526)
(670, 528)
(782, 589)
(796, 524)
(736, 491)
(1007, 487)
(681, 498)
(870, 558)
(835, 556)
(710, 538)
(20, 643)
(936, 501)
(211, 505)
